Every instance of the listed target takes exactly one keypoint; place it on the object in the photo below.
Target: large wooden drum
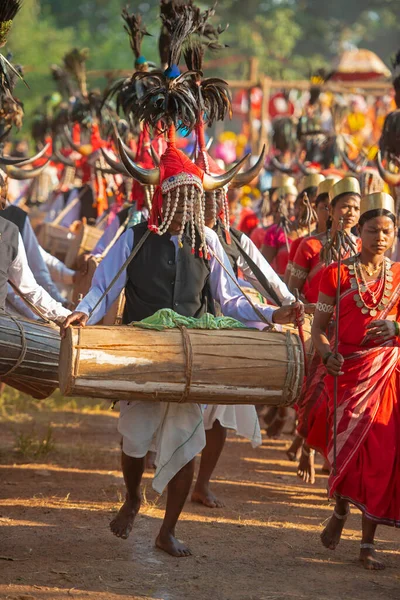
(85, 239)
(29, 354)
(201, 366)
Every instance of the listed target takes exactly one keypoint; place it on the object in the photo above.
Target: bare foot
(207, 498)
(306, 468)
(122, 525)
(330, 537)
(172, 546)
(370, 560)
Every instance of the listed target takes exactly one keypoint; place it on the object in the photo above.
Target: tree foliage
(291, 38)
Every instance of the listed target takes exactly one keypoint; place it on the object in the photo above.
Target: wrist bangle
(326, 357)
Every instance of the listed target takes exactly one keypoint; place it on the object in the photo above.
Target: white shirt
(58, 271)
(284, 295)
(21, 275)
(223, 290)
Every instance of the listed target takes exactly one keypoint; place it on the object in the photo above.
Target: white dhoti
(241, 418)
(174, 431)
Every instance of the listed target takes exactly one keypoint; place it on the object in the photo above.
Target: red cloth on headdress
(172, 162)
(204, 160)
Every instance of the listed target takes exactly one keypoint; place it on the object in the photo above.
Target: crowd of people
(190, 234)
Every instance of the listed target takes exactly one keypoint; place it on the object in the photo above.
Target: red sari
(275, 238)
(368, 414)
(312, 406)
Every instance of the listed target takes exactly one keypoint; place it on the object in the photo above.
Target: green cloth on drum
(169, 319)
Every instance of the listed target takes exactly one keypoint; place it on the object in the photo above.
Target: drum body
(55, 239)
(237, 366)
(85, 239)
(36, 347)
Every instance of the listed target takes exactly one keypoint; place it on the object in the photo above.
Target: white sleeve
(226, 292)
(284, 295)
(37, 264)
(58, 271)
(103, 276)
(20, 274)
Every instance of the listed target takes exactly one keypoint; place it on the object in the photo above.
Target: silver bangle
(298, 273)
(325, 308)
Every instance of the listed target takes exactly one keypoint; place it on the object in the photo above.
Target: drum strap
(130, 258)
(188, 351)
(32, 306)
(24, 348)
(259, 275)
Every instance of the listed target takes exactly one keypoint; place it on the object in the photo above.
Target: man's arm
(276, 282)
(227, 293)
(20, 274)
(37, 264)
(103, 276)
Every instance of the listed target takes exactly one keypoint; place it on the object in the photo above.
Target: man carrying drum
(177, 263)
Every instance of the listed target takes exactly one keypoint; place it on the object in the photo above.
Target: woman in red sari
(307, 271)
(367, 458)
(309, 187)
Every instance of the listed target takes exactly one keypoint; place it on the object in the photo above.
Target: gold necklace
(371, 272)
(380, 298)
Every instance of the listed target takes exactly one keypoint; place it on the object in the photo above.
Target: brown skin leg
(330, 537)
(276, 427)
(296, 445)
(215, 441)
(178, 490)
(368, 556)
(132, 469)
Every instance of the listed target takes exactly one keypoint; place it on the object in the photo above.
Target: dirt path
(55, 543)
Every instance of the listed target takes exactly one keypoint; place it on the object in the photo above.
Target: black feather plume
(135, 29)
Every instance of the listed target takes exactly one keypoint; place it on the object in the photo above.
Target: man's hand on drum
(76, 318)
(293, 313)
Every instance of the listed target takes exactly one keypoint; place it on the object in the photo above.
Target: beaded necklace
(380, 298)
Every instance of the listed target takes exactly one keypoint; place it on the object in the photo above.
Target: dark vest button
(176, 303)
(170, 262)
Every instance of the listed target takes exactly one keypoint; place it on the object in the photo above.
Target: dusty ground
(55, 510)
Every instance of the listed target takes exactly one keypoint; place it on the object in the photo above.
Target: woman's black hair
(321, 198)
(310, 191)
(336, 200)
(377, 212)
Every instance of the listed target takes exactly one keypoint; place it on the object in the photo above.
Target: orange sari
(368, 414)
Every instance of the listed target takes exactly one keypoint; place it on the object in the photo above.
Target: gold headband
(347, 185)
(312, 180)
(281, 179)
(376, 201)
(325, 186)
(285, 190)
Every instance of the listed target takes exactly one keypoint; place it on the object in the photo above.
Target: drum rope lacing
(24, 348)
(188, 351)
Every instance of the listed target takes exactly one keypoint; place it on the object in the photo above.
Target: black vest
(88, 210)
(16, 215)
(230, 250)
(159, 277)
(8, 253)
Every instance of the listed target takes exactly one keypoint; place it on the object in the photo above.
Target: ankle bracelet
(367, 546)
